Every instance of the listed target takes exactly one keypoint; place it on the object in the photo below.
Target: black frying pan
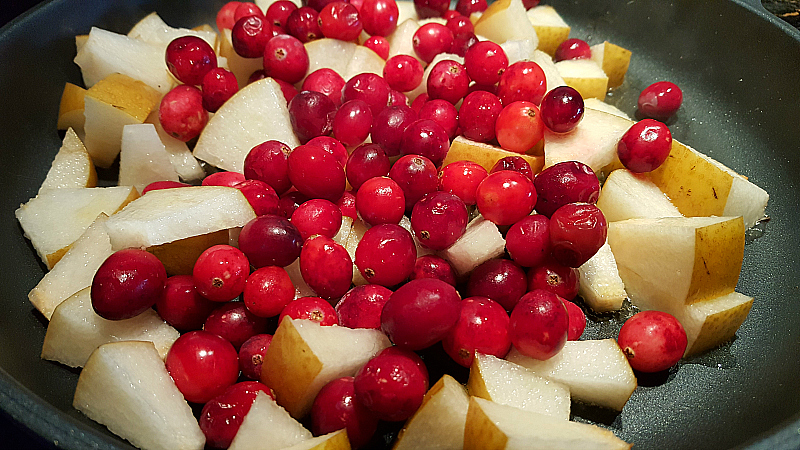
(740, 72)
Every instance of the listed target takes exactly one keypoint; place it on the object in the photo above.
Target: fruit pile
(338, 197)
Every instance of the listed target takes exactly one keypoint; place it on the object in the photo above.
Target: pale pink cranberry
(181, 113)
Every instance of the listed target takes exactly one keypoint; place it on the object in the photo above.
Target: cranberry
(250, 35)
(289, 202)
(246, 9)
(233, 322)
(311, 308)
(202, 365)
(347, 204)
(431, 39)
(573, 49)
(459, 24)
(386, 254)
(221, 417)
(522, 81)
(528, 4)
(127, 283)
(166, 184)
(379, 45)
(565, 182)
(431, 8)
(391, 385)
(225, 16)
(252, 353)
(326, 267)
(403, 72)
(229, 179)
(420, 313)
(467, 7)
(432, 266)
(220, 273)
(190, 58)
(181, 306)
(562, 109)
(426, 138)
(577, 321)
(289, 92)
(442, 112)
(352, 122)
(577, 231)
(181, 112)
(269, 162)
(449, 14)
(267, 291)
(482, 327)
(421, 99)
(556, 278)
(661, 100)
(645, 146)
(319, 5)
(539, 324)
(516, 163)
(485, 62)
(519, 126)
(366, 161)
(502, 280)
(379, 16)
(652, 340)
(303, 24)
(505, 197)
(528, 240)
(316, 173)
(270, 241)
(448, 80)
(389, 125)
(361, 306)
(262, 198)
(279, 12)
(325, 81)
(340, 20)
(380, 200)
(439, 219)
(332, 146)
(478, 116)
(218, 86)
(336, 407)
(462, 178)
(462, 43)
(416, 175)
(369, 87)
(317, 216)
(285, 58)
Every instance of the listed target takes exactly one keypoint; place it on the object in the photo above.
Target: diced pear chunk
(75, 331)
(143, 158)
(596, 371)
(614, 60)
(336, 440)
(486, 155)
(72, 167)
(439, 421)
(626, 195)
(125, 386)
(182, 159)
(585, 76)
(600, 285)
(481, 242)
(401, 40)
(713, 322)
(267, 426)
(505, 20)
(551, 29)
(153, 29)
(70, 110)
(593, 142)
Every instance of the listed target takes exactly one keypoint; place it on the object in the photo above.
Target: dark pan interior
(739, 72)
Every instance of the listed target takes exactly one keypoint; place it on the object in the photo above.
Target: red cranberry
(128, 283)
(181, 306)
(660, 100)
(233, 322)
(519, 126)
(279, 12)
(652, 340)
(303, 24)
(347, 204)
(326, 267)
(389, 125)
(565, 182)
(285, 58)
(262, 198)
(391, 385)
(432, 266)
(478, 116)
(221, 417)
(225, 15)
(366, 161)
(267, 291)
(190, 58)
(166, 184)
(379, 16)
(562, 109)
(505, 197)
(361, 306)
(380, 200)
(459, 24)
(369, 87)
(462, 178)
(316, 173)
(336, 407)
(448, 80)
(482, 327)
(485, 62)
(502, 280)
(181, 112)
(539, 324)
(462, 43)
(431, 39)
(289, 202)
(245, 9)
(218, 86)
(325, 81)
(332, 146)
(352, 122)
(442, 112)
(340, 20)
(379, 45)
(270, 241)
(528, 240)
(403, 72)
(577, 321)
(269, 162)
(522, 81)
(250, 35)
(556, 278)
(252, 353)
(386, 254)
(220, 273)
(516, 163)
(431, 8)
(229, 179)
(288, 91)
(439, 219)
(317, 216)
(645, 146)
(467, 7)
(202, 365)
(416, 175)
(573, 48)
(311, 308)
(577, 231)
(426, 138)
(420, 313)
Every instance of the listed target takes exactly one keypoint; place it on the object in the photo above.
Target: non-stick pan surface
(739, 69)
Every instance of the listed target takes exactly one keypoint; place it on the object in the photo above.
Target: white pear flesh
(504, 382)
(56, 218)
(599, 105)
(491, 426)
(486, 155)
(75, 331)
(331, 54)
(518, 50)
(143, 158)
(125, 386)
(336, 440)
(600, 285)
(551, 29)
(353, 238)
(105, 53)
(183, 161)
(585, 76)
(627, 195)
(168, 215)
(401, 39)
(593, 142)
(505, 20)
(480, 242)
(596, 371)
(668, 262)
(154, 30)
(74, 271)
(267, 426)
(304, 356)
(614, 60)
(439, 421)
(713, 322)
(255, 114)
(72, 166)
(364, 60)
(551, 73)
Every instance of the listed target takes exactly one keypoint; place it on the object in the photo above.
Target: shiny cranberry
(269, 162)
(347, 204)
(181, 306)
(431, 8)
(439, 219)
(391, 385)
(303, 24)
(426, 138)
(502, 280)
(652, 340)
(519, 126)
(459, 24)
(562, 109)
(432, 266)
(505, 197)
(317, 216)
(340, 20)
(420, 313)
(485, 62)
(352, 122)
(366, 161)
(246, 9)
(225, 15)
(577, 231)
(270, 241)
(467, 7)
(389, 125)
(325, 81)
(462, 43)
(202, 365)
(361, 306)
(478, 116)
(528, 240)
(336, 407)
(311, 308)
(645, 146)
(233, 322)
(369, 87)
(221, 417)
(386, 254)
(431, 39)
(554, 277)
(316, 173)
(577, 321)
(267, 291)
(565, 182)
(127, 283)
(285, 58)
(379, 16)
(448, 80)
(515, 163)
(262, 198)
(289, 202)
(332, 146)
(279, 12)
(218, 86)
(539, 325)
(326, 267)
(190, 58)
(252, 354)
(442, 112)
(380, 200)
(379, 45)
(462, 178)
(522, 81)
(250, 35)
(416, 175)
(573, 48)
(660, 100)
(181, 112)
(220, 273)
(482, 327)
(403, 72)
(157, 185)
